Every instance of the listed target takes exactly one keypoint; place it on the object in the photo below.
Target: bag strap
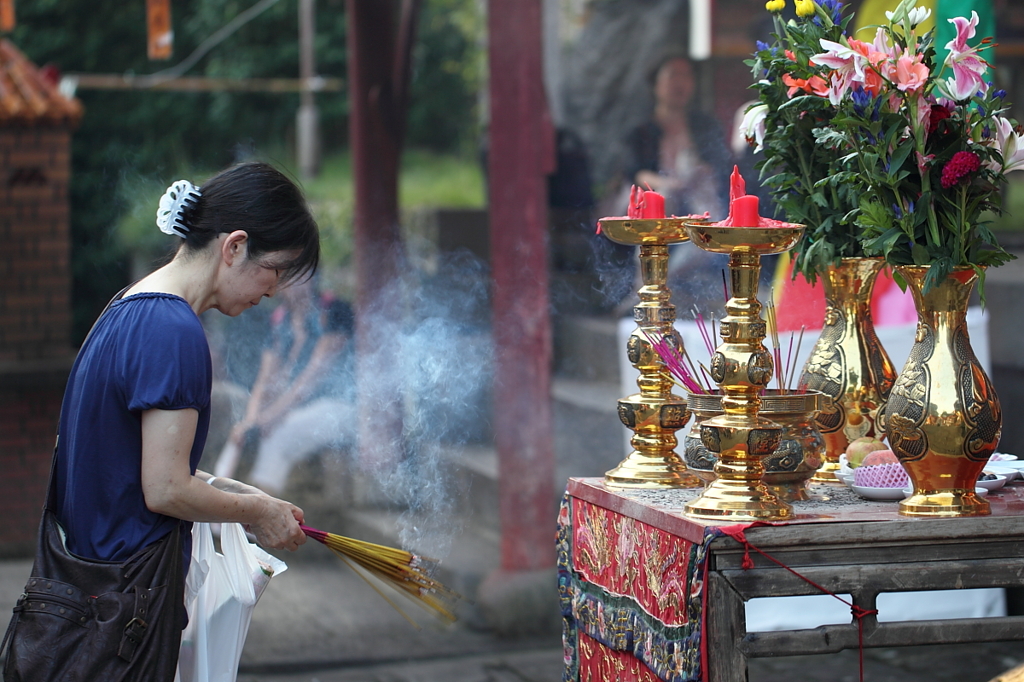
(18, 608)
(51, 486)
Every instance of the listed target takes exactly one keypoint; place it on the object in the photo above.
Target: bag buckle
(133, 634)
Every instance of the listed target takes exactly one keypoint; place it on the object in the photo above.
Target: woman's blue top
(148, 351)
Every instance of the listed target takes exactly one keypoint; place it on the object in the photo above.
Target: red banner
(629, 557)
(598, 662)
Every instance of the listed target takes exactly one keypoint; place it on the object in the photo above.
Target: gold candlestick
(655, 413)
(742, 367)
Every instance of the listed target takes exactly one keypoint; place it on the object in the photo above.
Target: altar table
(650, 594)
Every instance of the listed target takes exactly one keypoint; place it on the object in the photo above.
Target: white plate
(1003, 471)
(1002, 457)
(847, 479)
(1013, 464)
(980, 492)
(994, 484)
(879, 493)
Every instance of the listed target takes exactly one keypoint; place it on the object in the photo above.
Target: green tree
(132, 141)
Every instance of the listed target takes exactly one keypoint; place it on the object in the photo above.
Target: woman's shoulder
(154, 313)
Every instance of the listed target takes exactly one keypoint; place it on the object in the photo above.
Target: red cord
(737, 534)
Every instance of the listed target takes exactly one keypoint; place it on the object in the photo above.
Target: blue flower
(834, 8)
(1000, 94)
(761, 45)
(861, 99)
(897, 211)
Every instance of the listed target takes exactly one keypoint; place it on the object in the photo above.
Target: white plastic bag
(221, 592)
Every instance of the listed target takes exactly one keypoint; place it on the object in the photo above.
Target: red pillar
(520, 157)
(375, 132)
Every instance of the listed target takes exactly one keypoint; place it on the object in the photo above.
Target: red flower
(938, 113)
(960, 166)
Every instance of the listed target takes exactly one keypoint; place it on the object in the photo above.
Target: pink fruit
(857, 450)
(877, 457)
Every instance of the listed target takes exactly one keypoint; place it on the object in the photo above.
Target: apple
(857, 450)
(876, 457)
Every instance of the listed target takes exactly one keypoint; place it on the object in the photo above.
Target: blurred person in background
(301, 402)
(681, 153)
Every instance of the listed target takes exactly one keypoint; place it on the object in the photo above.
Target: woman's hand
(659, 183)
(278, 526)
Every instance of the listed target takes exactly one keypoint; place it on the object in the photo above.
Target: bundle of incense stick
(676, 362)
(402, 570)
(784, 371)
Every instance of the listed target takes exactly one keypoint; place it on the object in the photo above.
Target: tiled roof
(27, 96)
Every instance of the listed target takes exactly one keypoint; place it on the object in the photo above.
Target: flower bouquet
(924, 147)
(876, 146)
(927, 144)
(792, 105)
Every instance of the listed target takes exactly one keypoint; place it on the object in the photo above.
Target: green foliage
(131, 144)
(448, 65)
(805, 177)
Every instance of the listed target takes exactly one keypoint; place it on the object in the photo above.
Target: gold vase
(943, 419)
(801, 446)
(848, 363)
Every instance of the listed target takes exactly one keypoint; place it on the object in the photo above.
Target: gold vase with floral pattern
(943, 419)
(848, 363)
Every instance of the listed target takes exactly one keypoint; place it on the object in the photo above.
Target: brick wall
(35, 275)
(29, 408)
(35, 321)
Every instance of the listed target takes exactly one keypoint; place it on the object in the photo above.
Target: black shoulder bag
(86, 620)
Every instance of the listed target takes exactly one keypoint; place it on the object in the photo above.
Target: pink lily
(911, 75)
(837, 56)
(968, 67)
(923, 162)
(839, 84)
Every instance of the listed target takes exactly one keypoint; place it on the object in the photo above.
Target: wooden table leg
(726, 625)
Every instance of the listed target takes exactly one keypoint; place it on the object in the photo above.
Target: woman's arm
(169, 488)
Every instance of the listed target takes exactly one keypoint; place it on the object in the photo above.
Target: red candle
(737, 185)
(653, 205)
(743, 212)
(634, 202)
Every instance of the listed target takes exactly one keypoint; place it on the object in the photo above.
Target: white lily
(753, 125)
(914, 16)
(1009, 145)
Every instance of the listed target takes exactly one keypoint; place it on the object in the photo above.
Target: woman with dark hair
(137, 405)
(680, 152)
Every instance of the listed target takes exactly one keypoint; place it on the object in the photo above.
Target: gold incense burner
(742, 367)
(801, 446)
(655, 413)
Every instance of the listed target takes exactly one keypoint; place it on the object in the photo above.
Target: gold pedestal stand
(742, 367)
(655, 413)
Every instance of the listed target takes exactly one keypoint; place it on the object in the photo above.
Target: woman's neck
(671, 120)
(189, 278)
